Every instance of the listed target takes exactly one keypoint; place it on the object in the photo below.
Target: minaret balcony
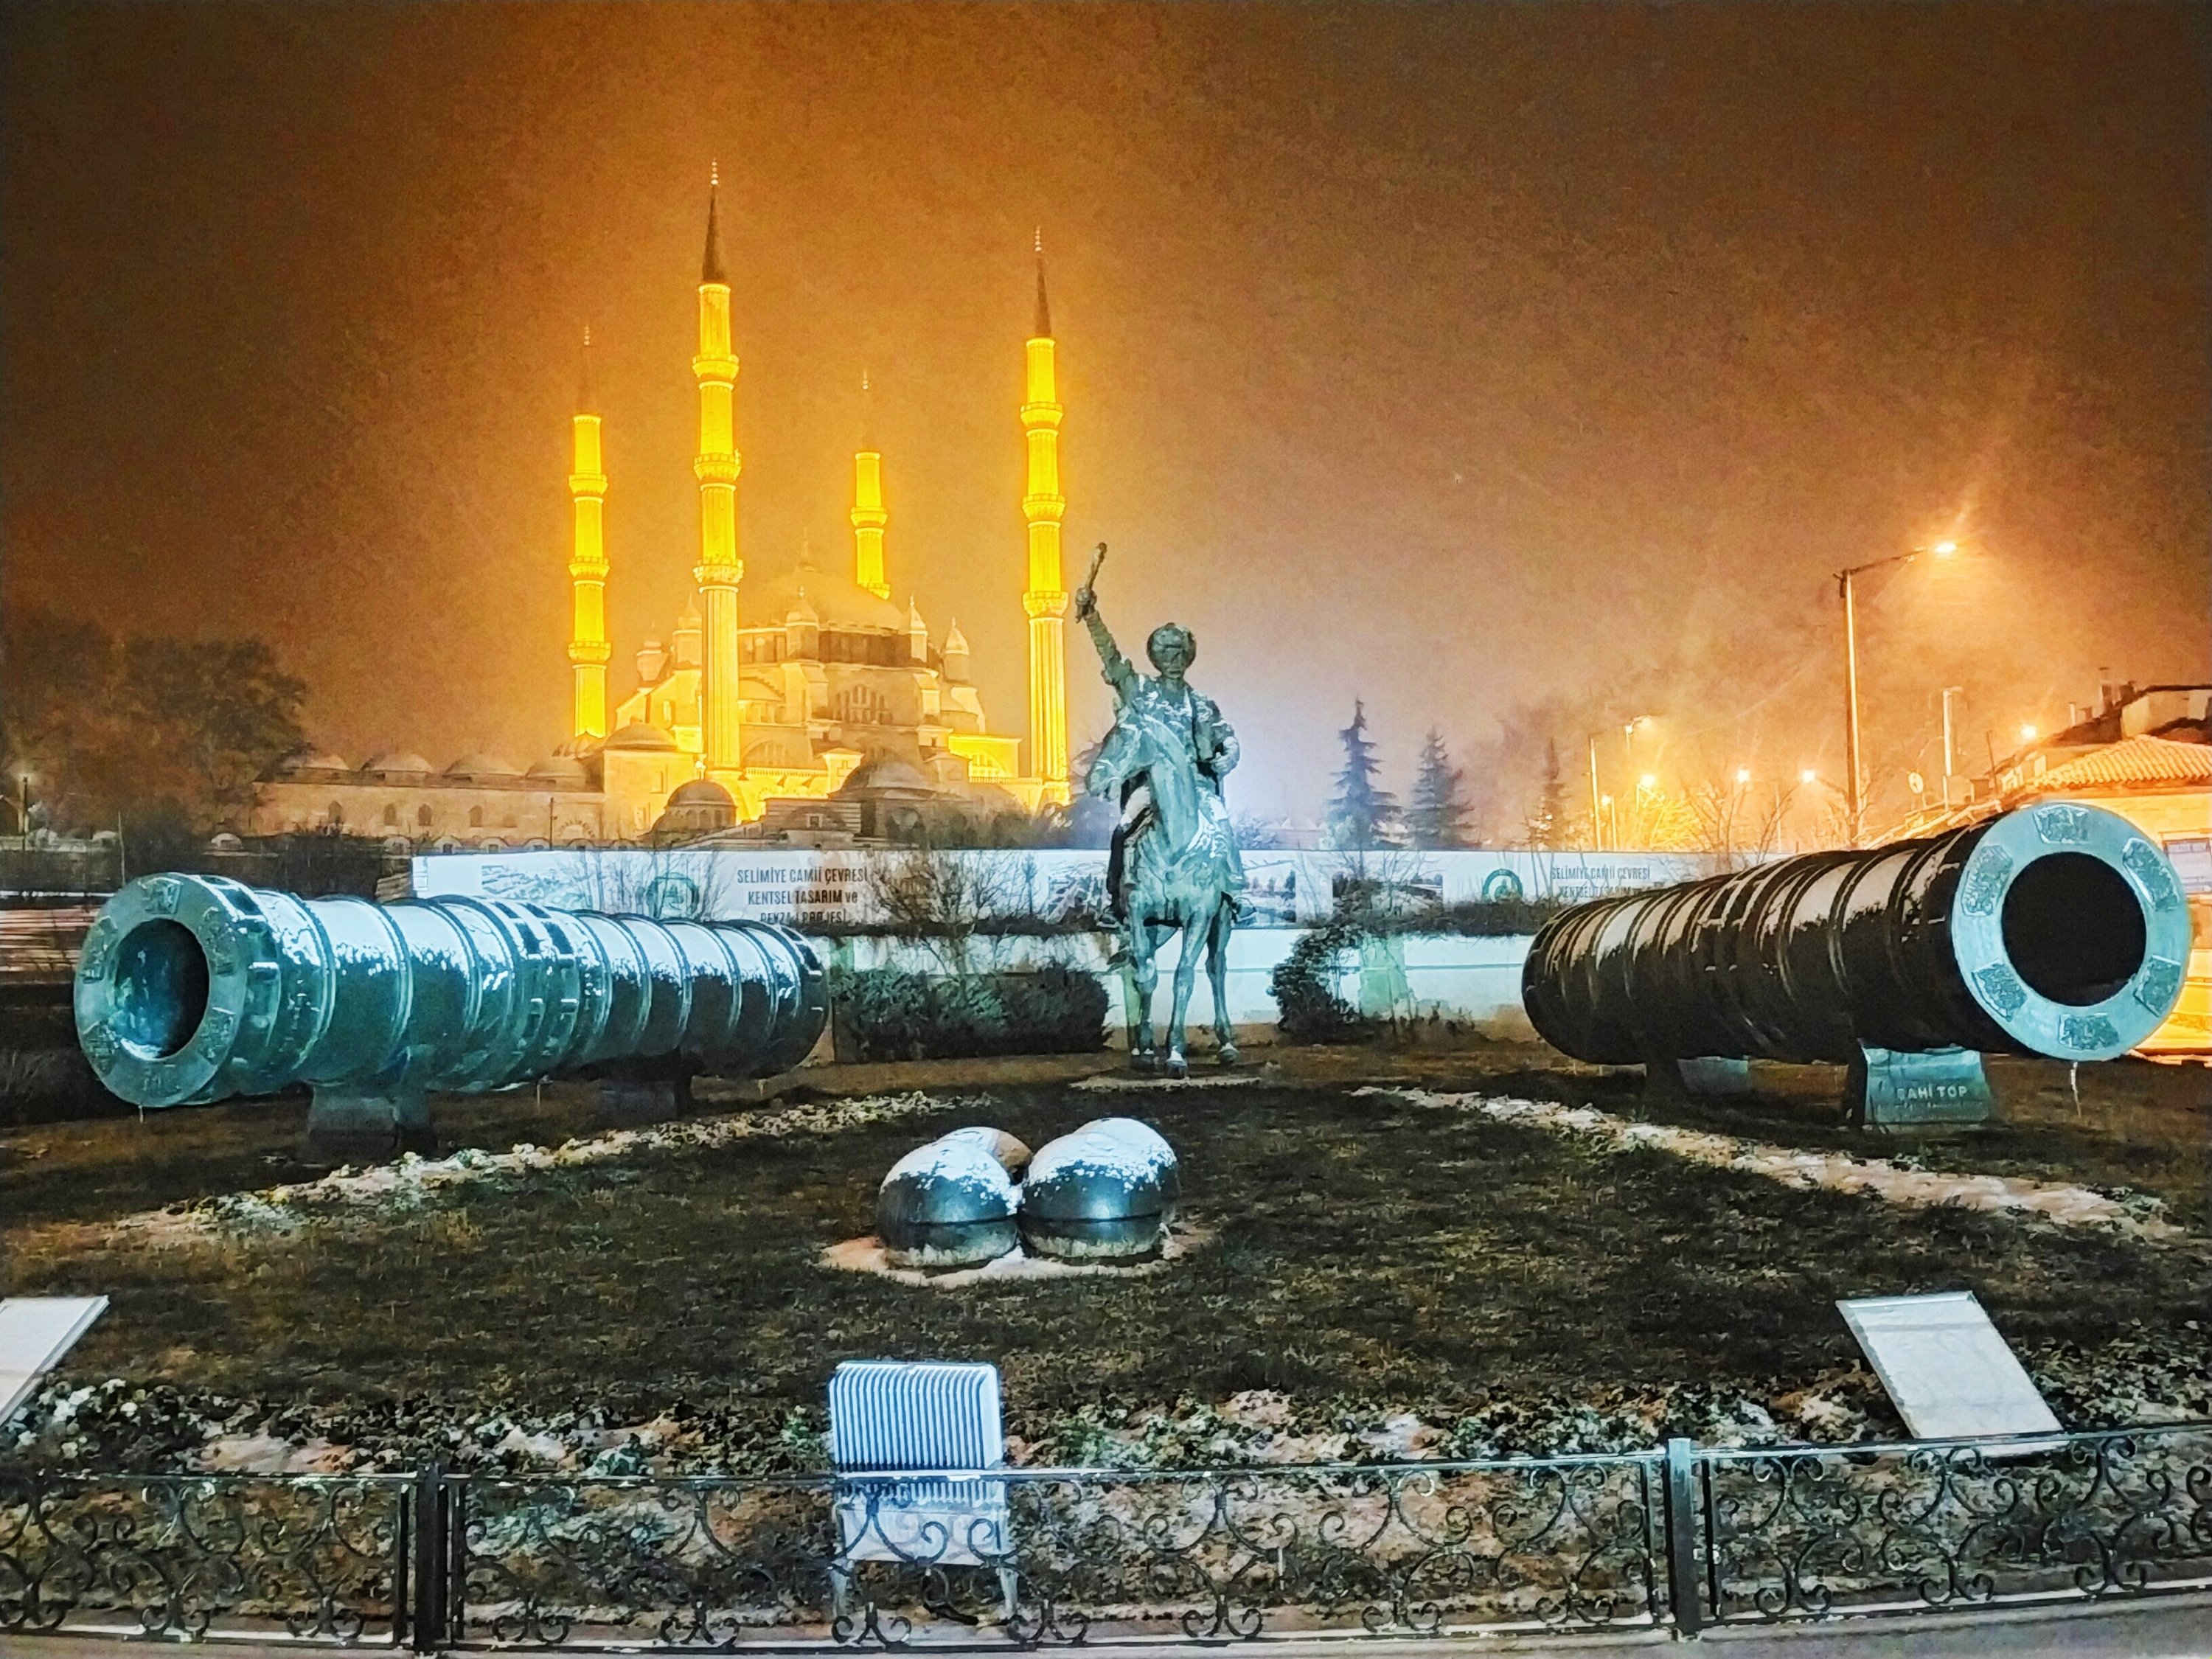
(870, 518)
(717, 468)
(727, 574)
(589, 570)
(589, 651)
(1041, 414)
(1047, 507)
(587, 483)
(715, 370)
(1045, 602)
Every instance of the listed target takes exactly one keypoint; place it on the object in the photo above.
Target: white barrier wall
(842, 888)
(1409, 976)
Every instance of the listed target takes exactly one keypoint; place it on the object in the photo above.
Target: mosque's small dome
(638, 735)
(396, 760)
(700, 791)
(563, 771)
(887, 773)
(476, 764)
(700, 808)
(801, 610)
(319, 759)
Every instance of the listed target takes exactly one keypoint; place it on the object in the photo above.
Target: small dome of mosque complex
(777, 684)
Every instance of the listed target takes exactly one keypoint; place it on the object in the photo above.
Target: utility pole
(1596, 839)
(1854, 797)
(1950, 743)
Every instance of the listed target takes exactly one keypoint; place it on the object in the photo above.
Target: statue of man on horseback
(1175, 867)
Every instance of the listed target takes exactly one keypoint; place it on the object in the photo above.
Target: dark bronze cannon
(194, 988)
(2057, 930)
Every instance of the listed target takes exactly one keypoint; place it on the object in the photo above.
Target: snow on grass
(1893, 1179)
(414, 1181)
(867, 1255)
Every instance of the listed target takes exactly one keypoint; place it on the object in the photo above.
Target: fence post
(427, 1622)
(1685, 1579)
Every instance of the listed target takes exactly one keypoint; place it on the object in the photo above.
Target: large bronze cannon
(194, 988)
(2057, 930)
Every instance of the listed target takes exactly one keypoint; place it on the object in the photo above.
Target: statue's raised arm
(1119, 673)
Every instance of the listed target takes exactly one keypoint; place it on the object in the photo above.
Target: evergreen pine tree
(1542, 829)
(1362, 816)
(1437, 812)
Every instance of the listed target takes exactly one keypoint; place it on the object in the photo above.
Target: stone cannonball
(952, 1203)
(1102, 1193)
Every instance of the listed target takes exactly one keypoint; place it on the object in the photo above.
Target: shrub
(883, 1013)
(1304, 989)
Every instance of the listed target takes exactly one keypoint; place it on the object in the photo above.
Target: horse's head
(1120, 759)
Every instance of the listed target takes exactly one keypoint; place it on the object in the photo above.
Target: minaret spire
(1043, 331)
(717, 466)
(587, 563)
(710, 267)
(869, 516)
(1045, 598)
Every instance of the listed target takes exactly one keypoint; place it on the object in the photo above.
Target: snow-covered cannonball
(952, 1203)
(1104, 1191)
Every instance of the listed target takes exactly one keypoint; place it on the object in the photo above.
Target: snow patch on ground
(867, 1255)
(415, 1182)
(1121, 1082)
(1891, 1181)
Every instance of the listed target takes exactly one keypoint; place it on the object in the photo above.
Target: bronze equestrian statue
(1174, 868)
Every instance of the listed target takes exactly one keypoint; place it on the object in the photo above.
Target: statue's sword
(1096, 559)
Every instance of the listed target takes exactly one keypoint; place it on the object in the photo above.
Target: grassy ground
(1364, 1252)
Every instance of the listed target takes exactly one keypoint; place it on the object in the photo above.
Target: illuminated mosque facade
(811, 705)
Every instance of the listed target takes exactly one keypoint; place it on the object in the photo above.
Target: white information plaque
(1948, 1371)
(35, 1332)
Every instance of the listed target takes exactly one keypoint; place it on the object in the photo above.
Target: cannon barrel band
(2058, 930)
(194, 988)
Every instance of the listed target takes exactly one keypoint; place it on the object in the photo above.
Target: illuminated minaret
(868, 515)
(588, 564)
(717, 465)
(1046, 598)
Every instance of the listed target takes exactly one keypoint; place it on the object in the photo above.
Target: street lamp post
(1855, 803)
(1596, 840)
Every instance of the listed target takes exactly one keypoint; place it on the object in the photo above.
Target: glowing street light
(2027, 731)
(1648, 780)
(1742, 777)
(1808, 776)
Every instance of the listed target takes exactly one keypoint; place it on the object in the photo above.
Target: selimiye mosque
(809, 706)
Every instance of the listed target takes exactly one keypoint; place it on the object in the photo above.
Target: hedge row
(884, 1014)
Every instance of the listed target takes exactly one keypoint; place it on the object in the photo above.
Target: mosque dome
(836, 599)
(638, 735)
(319, 759)
(476, 764)
(697, 808)
(887, 774)
(396, 760)
(561, 772)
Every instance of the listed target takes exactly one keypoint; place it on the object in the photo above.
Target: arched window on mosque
(475, 818)
(391, 817)
(422, 816)
(336, 816)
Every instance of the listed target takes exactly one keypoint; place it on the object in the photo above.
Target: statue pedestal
(1890, 1089)
(366, 1126)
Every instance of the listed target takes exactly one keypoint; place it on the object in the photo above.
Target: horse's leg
(1191, 934)
(1217, 974)
(1144, 975)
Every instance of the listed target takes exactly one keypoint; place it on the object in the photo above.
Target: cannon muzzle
(2058, 930)
(193, 988)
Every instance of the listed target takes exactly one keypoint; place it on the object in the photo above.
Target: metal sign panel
(1948, 1371)
(35, 1332)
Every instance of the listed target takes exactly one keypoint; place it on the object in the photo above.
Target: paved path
(2167, 1627)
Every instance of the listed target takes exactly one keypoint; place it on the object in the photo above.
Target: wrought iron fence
(265, 1557)
(1679, 1537)
(1803, 1533)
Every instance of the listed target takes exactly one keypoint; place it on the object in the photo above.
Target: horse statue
(1175, 867)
